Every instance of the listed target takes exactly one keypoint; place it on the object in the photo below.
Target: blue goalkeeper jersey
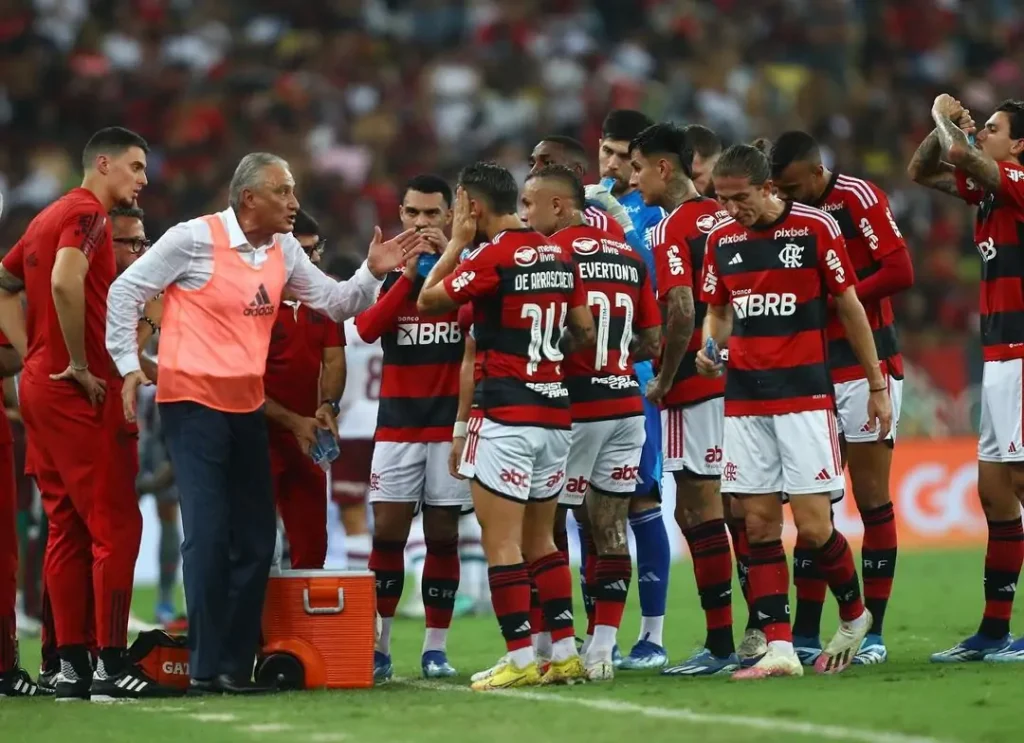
(644, 218)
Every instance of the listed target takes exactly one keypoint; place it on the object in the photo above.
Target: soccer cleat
(435, 665)
(47, 679)
(488, 672)
(845, 643)
(753, 647)
(975, 647)
(644, 655)
(616, 657)
(704, 663)
(382, 668)
(508, 676)
(569, 671)
(1012, 653)
(872, 651)
(774, 662)
(17, 683)
(807, 649)
(600, 669)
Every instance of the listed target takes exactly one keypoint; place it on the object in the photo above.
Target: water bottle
(712, 351)
(325, 450)
(426, 262)
(608, 183)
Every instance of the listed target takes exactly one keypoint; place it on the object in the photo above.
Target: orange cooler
(319, 628)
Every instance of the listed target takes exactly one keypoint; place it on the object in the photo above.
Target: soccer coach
(223, 275)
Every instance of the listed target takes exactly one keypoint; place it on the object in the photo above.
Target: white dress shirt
(184, 256)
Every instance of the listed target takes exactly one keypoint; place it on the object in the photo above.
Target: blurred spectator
(360, 94)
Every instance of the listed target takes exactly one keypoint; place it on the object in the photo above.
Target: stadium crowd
(350, 120)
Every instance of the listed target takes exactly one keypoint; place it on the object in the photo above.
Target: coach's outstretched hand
(94, 387)
(384, 256)
(880, 412)
(129, 393)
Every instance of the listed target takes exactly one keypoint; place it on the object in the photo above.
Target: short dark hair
(572, 146)
(1014, 111)
(305, 224)
(792, 147)
(566, 177)
(623, 124)
(131, 212)
(113, 140)
(493, 183)
(744, 161)
(702, 140)
(429, 183)
(665, 139)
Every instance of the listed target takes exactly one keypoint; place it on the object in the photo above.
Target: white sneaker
(753, 646)
(841, 649)
(486, 674)
(775, 662)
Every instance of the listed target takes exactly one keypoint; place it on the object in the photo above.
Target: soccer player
(68, 264)
(304, 379)
(418, 403)
(653, 554)
(692, 434)
(523, 290)
(767, 273)
(607, 410)
(706, 147)
(883, 267)
(990, 174)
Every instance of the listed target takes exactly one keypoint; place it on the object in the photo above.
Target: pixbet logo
(515, 478)
(792, 232)
(756, 305)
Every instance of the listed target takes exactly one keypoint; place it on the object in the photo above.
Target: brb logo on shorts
(771, 303)
(515, 478)
(427, 333)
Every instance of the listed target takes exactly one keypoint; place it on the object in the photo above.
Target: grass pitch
(938, 600)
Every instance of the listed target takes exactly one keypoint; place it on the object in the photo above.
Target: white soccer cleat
(844, 645)
(775, 662)
(487, 673)
(753, 646)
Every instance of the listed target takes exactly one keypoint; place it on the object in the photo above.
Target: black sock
(114, 660)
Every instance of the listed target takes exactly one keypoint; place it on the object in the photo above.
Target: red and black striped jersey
(999, 236)
(602, 220)
(678, 243)
(600, 380)
(862, 210)
(419, 386)
(522, 286)
(777, 278)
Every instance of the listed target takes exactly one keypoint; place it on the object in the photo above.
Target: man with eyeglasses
(304, 379)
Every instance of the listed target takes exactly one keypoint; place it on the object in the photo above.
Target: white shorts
(467, 464)
(1000, 436)
(691, 436)
(521, 462)
(415, 473)
(852, 407)
(792, 454)
(604, 455)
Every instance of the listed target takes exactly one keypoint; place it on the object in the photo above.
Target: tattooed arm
(12, 313)
(927, 168)
(580, 332)
(970, 160)
(681, 316)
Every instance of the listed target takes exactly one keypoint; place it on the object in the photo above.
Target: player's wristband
(76, 367)
(335, 407)
(459, 432)
(150, 323)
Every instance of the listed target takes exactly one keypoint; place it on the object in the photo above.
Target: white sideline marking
(214, 716)
(266, 727)
(829, 732)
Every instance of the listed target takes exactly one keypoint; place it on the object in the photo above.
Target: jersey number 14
(543, 338)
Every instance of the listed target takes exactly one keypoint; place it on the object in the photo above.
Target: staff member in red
(304, 379)
(224, 276)
(14, 680)
(95, 526)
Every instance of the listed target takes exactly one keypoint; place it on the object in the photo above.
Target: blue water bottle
(325, 450)
(426, 262)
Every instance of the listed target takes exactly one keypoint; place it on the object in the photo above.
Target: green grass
(938, 601)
